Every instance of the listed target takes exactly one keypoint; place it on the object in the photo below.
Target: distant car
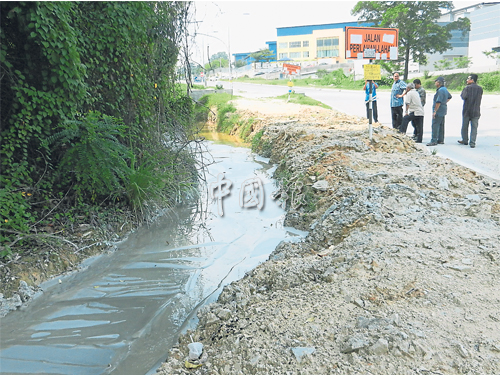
(213, 79)
(258, 74)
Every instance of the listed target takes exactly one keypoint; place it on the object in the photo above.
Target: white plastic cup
(195, 350)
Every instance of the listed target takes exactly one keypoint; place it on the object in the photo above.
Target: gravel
(398, 274)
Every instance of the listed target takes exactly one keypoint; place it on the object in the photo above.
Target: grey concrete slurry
(123, 310)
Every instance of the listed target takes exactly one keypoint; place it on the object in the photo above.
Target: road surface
(484, 159)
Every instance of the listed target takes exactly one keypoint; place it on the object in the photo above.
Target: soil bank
(399, 273)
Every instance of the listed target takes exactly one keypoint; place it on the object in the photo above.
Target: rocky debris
(398, 274)
(25, 294)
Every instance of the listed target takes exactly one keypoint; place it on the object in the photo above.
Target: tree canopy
(217, 60)
(419, 31)
(263, 55)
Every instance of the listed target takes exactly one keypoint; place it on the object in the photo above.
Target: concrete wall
(197, 94)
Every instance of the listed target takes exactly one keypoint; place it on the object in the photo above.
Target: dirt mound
(398, 274)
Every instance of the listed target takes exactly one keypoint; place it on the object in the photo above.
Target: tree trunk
(407, 62)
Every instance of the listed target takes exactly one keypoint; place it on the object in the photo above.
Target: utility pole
(210, 65)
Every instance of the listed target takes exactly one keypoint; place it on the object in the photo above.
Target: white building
(484, 35)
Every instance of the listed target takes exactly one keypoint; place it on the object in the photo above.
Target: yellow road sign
(372, 71)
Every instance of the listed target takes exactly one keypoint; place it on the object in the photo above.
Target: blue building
(245, 56)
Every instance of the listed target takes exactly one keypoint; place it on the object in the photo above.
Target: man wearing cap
(414, 112)
(472, 95)
(398, 88)
(439, 110)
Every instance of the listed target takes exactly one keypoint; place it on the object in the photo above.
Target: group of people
(410, 99)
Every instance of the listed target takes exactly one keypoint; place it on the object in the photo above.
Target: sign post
(373, 43)
(371, 73)
(290, 85)
(291, 69)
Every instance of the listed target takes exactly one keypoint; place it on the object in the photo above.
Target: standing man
(422, 94)
(472, 95)
(366, 87)
(439, 111)
(420, 90)
(414, 112)
(398, 88)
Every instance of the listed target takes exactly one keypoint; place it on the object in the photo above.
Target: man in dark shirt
(472, 95)
(439, 111)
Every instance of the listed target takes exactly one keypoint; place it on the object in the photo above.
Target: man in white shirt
(414, 112)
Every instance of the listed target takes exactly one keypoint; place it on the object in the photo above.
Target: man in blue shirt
(439, 111)
(397, 101)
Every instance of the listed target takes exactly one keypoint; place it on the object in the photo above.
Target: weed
(262, 147)
(489, 81)
(310, 199)
(226, 117)
(256, 140)
(246, 129)
(302, 99)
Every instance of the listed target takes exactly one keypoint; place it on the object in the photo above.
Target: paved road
(484, 159)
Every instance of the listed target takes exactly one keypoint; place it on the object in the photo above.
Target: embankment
(399, 273)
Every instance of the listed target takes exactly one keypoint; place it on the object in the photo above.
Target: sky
(246, 26)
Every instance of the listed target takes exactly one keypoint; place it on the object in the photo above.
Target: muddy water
(123, 310)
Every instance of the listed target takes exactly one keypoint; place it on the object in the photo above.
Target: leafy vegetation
(218, 104)
(256, 139)
(336, 78)
(226, 117)
(263, 55)
(462, 62)
(456, 81)
(456, 63)
(91, 115)
(489, 81)
(94, 160)
(303, 99)
(443, 64)
(218, 60)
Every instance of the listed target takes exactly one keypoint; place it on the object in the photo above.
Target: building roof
(472, 6)
(308, 29)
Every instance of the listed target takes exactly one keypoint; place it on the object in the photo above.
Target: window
(283, 55)
(295, 55)
(327, 42)
(305, 43)
(305, 54)
(294, 45)
(328, 47)
(328, 53)
(283, 45)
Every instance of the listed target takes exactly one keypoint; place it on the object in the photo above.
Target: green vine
(88, 98)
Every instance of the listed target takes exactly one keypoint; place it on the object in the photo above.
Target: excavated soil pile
(399, 273)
